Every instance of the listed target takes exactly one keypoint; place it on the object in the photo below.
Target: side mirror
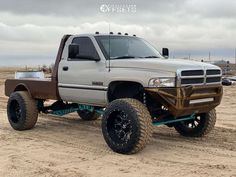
(165, 52)
(73, 51)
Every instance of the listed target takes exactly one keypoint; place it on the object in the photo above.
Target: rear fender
(22, 87)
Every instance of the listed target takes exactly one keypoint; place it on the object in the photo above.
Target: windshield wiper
(152, 56)
(122, 57)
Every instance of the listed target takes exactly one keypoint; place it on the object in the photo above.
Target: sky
(30, 30)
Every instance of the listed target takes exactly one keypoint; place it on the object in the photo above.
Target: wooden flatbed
(37, 88)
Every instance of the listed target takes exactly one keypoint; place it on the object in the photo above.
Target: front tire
(22, 111)
(126, 126)
(201, 125)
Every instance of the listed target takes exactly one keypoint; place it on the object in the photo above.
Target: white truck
(128, 82)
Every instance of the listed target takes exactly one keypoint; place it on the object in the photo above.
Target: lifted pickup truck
(128, 82)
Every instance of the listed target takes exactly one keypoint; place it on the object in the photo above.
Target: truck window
(86, 47)
(121, 46)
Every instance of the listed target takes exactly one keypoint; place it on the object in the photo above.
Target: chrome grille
(198, 77)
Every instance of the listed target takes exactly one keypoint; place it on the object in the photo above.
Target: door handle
(65, 68)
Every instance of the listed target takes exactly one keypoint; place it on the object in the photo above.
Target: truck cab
(96, 69)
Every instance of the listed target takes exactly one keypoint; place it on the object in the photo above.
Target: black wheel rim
(194, 123)
(15, 111)
(119, 127)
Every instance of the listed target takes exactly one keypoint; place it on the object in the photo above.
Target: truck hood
(170, 65)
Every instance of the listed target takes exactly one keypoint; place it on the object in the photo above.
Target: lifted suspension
(60, 108)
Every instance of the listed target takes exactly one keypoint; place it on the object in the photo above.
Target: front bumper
(186, 100)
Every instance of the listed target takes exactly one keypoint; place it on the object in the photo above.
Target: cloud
(32, 27)
(33, 39)
(59, 7)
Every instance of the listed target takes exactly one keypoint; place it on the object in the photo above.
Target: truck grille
(213, 79)
(199, 77)
(192, 73)
(213, 72)
(192, 81)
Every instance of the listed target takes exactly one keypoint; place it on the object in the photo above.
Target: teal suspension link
(63, 112)
(85, 107)
(191, 117)
(80, 107)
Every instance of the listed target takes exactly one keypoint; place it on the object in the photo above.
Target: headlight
(162, 82)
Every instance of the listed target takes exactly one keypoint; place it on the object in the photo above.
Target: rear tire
(126, 126)
(22, 111)
(200, 126)
(88, 115)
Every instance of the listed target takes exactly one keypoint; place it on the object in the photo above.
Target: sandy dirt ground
(68, 146)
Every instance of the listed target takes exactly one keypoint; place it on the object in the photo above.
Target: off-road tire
(139, 123)
(88, 115)
(206, 124)
(22, 111)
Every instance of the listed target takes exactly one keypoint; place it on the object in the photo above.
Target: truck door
(81, 80)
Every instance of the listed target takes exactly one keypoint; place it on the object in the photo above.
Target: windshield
(123, 47)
